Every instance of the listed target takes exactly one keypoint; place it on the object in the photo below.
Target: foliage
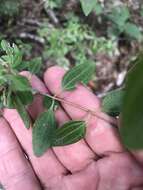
(113, 101)
(132, 120)
(43, 132)
(133, 31)
(11, 83)
(16, 93)
(69, 133)
(75, 40)
(128, 103)
(9, 8)
(89, 5)
(50, 4)
(119, 16)
(80, 73)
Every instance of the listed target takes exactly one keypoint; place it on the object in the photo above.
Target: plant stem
(92, 112)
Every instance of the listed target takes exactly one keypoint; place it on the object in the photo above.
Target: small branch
(32, 37)
(31, 22)
(52, 16)
(92, 112)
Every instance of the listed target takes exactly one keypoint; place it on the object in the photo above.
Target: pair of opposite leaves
(46, 134)
(128, 102)
(132, 107)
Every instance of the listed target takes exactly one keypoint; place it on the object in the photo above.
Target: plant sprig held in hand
(17, 93)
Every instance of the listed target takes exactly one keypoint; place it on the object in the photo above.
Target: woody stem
(92, 112)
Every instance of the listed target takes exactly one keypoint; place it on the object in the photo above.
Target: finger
(46, 167)
(37, 105)
(73, 157)
(101, 136)
(15, 171)
(138, 156)
(83, 180)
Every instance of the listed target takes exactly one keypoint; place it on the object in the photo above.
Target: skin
(99, 162)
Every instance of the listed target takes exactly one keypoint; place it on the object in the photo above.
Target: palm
(97, 163)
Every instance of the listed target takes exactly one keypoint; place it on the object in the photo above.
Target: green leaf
(80, 73)
(48, 102)
(13, 54)
(3, 79)
(22, 111)
(17, 56)
(1, 102)
(9, 51)
(132, 115)
(119, 16)
(26, 97)
(19, 83)
(9, 8)
(35, 65)
(133, 31)
(6, 47)
(2, 68)
(112, 102)
(88, 6)
(98, 9)
(6, 58)
(71, 132)
(43, 132)
(10, 100)
(23, 66)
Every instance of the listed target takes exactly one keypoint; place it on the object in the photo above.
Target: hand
(99, 162)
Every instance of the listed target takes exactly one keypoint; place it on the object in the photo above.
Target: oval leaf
(35, 65)
(22, 111)
(88, 6)
(132, 116)
(112, 102)
(71, 132)
(9, 103)
(17, 57)
(133, 31)
(26, 97)
(43, 131)
(119, 16)
(6, 47)
(19, 83)
(79, 73)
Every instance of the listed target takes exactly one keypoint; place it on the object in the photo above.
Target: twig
(31, 22)
(92, 112)
(52, 16)
(35, 38)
